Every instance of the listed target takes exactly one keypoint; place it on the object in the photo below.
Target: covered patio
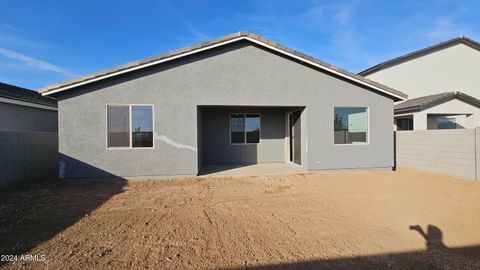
(249, 140)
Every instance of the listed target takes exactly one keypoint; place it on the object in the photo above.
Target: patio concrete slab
(251, 169)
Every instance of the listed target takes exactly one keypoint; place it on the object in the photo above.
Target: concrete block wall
(27, 156)
(455, 152)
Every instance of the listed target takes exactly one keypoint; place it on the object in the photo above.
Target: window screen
(237, 128)
(350, 125)
(142, 126)
(118, 126)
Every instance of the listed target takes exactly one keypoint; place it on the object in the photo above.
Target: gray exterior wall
(237, 74)
(23, 118)
(455, 152)
(216, 146)
(27, 156)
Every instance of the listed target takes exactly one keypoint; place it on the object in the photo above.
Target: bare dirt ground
(377, 220)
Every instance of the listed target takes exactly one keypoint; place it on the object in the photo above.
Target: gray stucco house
(238, 99)
(26, 110)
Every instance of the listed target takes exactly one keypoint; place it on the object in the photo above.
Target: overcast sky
(43, 42)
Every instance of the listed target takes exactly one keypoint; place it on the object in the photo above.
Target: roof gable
(422, 52)
(422, 103)
(155, 60)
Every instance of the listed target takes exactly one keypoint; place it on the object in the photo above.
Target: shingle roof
(22, 94)
(421, 103)
(210, 44)
(459, 40)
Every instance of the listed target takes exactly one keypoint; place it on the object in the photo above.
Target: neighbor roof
(20, 94)
(135, 65)
(421, 103)
(440, 46)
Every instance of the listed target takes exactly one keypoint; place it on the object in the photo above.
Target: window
(350, 125)
(244, 128)
(118, 126)
(446, 123)
(142, 126)
(130, 126)
(404, 124)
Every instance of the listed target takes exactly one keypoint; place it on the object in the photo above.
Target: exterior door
(295, 137)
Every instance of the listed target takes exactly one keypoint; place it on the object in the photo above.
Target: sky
(45, 42)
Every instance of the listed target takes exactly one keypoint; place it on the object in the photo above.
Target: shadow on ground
(435, 256)
(34, 214)
(211, 169)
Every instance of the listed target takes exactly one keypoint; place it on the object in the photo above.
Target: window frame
(368, 126)
(129, 125)
(244, 131)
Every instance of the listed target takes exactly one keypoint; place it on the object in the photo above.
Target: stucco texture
(238, 74)
(23, 118)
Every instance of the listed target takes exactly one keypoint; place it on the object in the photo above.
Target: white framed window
(245, 128)
(130, 126)
(351, 125)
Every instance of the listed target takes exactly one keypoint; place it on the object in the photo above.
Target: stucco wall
(237, 74)
(23, 118)
(451, 69)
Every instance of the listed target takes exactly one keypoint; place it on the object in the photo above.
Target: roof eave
(240, 36)
(412, 55)
(407, 110)
(450, 96)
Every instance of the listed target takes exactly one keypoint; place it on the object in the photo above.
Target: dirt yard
(378, 220)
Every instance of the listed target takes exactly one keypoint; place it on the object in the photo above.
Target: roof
(20, 94)
(135, 65)
(440, 46)
(421, 103)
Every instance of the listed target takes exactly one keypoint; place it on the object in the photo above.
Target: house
(442, 81)
(238, 99)
(25, 110)
(449, 110)
(28, 136)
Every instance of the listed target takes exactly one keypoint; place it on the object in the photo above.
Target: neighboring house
(25, 110)
(449, 110)
(238, 99)
(28, 136)
(446, 70)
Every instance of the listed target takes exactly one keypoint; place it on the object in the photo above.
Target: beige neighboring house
(442, 82)
(449, 110)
